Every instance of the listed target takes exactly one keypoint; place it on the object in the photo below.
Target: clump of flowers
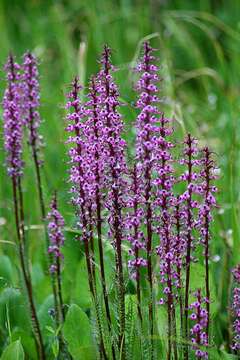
(236, 309)
(162, 215)
(199, 317)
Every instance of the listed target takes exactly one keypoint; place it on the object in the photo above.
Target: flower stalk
(205, 217)
(81, 187)
(190, 151)
(96, 147)
(13, 147)
(114, 169)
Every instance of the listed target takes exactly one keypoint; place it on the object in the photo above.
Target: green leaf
(41, 283)
(81, 294)
(216, 354)
(162, 324)
(27, 342)
(197, 280)
(77, 333)
(131, 304)
(14, 300)
(55, 348)
(13, 351)
(7, 271)
(50, 329)
(43, 314)
(226, 356)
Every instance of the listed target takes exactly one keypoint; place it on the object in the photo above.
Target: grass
(199, 46)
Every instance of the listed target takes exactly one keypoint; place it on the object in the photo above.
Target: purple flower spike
(188, 203)
(206, 189)
(113, 144)
(147, 120)
(180, 237)
(56, 236)
(236, 309)
(31, 99)
(112, 124)
(115, 168)
(165, 201)
(199, 317)
(147, 148)
(78, 155)
(82, 124)
(94, 130)
(12, 119)
(55, 231)
(133, 222)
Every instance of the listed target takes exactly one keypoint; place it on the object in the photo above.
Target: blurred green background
(199, 50)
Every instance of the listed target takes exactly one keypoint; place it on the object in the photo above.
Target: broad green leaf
(73, 253)
(17, 306)
(7, 272)
(41, 283)
(14, 351)
(226, 356)
(197, 280)
(216, 354)
(77, 332)
(162, 324)
(81, 293)
(43, 314)
(27, 342)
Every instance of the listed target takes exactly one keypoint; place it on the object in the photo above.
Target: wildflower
(114, 169)
(94, 130)
(206, 189)
(146, 142)
(146, 145)
(165, 200)
(112, 126)
(188, 204)
(56, 236)
(83, 182)
(199, 316)
(134, 220)
(95, 146)
(179, 237)
(30, 84)
(12, 119)
(236, 309)
(13, 133)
